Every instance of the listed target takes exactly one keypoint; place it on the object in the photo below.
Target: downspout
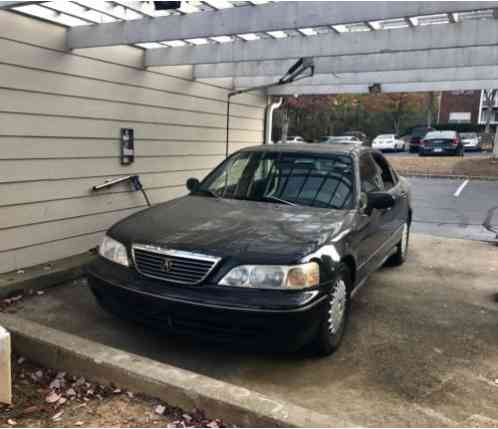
(269, 119)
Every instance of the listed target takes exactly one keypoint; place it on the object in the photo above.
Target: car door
(392, 219)
(369, 235)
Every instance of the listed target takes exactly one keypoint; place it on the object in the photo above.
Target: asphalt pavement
(408, 154)
(454, 208)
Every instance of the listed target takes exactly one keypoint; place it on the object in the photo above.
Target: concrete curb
(447, 176)
(178, 387)
(38, 277)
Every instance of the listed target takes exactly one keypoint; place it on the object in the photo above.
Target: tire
(399, 257)
(331, 330)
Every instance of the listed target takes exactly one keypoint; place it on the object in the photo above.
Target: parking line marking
(460, 189)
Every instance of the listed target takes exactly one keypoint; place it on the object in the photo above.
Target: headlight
(274, 276)
(114, 251)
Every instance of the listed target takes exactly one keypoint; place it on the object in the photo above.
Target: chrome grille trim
(189, 267)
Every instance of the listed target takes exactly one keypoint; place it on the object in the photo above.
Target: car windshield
(441, 135)
(385, 136)
(307, 179)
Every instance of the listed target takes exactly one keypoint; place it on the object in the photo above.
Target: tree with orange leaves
(396, 105)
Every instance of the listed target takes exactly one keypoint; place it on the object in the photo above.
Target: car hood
(252, 232)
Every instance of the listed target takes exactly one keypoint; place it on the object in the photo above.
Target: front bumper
(384, 146)
(471, 146)
(287, 319)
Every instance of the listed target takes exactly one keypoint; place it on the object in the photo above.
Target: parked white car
(389, 142)
(293, 139)
(470, 141)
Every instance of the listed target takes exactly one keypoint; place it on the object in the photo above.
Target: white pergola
(403, 46)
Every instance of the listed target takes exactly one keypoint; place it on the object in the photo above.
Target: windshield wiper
(289, 203)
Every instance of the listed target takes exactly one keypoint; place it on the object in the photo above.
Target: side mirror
(379, 200)
(193, 184)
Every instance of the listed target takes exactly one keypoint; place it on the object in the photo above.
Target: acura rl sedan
(268, 249)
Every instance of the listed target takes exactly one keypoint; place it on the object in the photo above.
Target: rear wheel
(336, 314)
(399, 257)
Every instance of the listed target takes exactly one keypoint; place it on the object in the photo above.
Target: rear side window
(370, 174)
(389, 179)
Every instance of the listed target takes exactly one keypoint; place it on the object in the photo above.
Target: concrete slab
(44, 275)
(179, 387)
(421, 349)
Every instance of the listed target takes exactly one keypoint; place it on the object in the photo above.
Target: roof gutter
(269, 119)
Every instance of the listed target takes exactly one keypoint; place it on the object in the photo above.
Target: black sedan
(268, 248)
(441, 143)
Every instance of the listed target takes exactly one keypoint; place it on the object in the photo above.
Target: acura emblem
(167, 265)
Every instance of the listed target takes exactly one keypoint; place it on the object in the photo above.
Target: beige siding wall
(60, 118)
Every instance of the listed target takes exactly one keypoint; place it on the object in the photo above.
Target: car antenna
(302, 69)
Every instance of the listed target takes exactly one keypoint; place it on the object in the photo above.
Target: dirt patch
(480, 166)
(47, 398)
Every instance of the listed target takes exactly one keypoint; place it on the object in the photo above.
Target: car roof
(308, 148)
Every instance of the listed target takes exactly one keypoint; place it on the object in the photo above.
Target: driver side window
(388, 178)
(370, 174)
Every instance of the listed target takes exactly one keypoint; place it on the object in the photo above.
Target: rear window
(468, 135)
(419, 132)
(441, 135)
(386, 136)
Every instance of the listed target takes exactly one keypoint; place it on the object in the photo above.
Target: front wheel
(335, 315)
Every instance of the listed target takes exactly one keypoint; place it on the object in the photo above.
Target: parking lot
(420, 351)
(454, 208)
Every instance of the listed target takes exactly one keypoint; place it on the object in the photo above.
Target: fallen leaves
(9, 304)
(32, 409)
(57, 417)
(160, 409)
(52, 397)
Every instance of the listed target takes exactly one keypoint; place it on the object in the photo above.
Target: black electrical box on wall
(127, 146)
(167, 5)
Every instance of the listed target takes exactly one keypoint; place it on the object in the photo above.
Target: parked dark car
(416, 138)
(267, 249)
(441, 143)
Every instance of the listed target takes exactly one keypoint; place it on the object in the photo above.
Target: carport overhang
(403, 46)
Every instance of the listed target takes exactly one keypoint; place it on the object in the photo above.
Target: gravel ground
(473, 166)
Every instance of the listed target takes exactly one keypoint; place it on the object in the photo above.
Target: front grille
(172, 265)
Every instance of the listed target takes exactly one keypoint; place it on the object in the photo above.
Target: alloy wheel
(404, 241)
(337, 306)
